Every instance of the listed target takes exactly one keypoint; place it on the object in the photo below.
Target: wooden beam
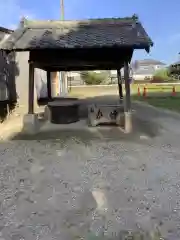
(49, 84)
(80, 57)
(78, 64)
(120, 85)
(76, 67)
(127, 102)
(31, 89)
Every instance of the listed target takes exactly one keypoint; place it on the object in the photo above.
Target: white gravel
(55, 189)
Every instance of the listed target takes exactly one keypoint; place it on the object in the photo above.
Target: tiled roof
(118, 32)
(149, 62)
(4, 31)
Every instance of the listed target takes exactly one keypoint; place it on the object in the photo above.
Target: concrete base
(111, 114)
(47, 113)
(128, 122)
(120, 119)
(31, 124)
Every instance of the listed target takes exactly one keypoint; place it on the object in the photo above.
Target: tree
(174, 71)
(93, 78)
(161, 75)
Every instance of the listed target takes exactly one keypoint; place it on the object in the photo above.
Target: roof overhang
(76, 45)
(111, 32)
(80, 59)
(6, 30)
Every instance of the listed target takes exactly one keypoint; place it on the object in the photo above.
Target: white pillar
(63, 84)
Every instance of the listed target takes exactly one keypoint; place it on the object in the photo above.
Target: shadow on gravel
(142, 130)
(143, 125)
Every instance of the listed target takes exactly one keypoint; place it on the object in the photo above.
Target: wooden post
(127, 102)
(31, 89)
(120, 85)
(49, 85)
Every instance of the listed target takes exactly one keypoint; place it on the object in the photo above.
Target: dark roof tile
(125, 32)
(3, 32)
(150, 62)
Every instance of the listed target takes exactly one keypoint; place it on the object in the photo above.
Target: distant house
(145, 69)
(113, 75)
(74, 78)
(139, 70)
(143, 74)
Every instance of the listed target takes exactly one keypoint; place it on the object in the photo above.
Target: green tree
(93, 78)
(162, 75)
(174, 71)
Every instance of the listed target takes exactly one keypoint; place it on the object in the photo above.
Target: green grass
(150, 88)
(160, 96)
(90, 91)
(171, 103)
(157, 95)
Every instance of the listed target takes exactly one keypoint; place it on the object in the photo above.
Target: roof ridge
(27, 22)
(133, 17)
(150, 60)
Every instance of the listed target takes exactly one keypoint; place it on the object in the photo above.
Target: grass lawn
(152, 88)
(157, 95)
(90, 91)
(171, 103)
(160, 96)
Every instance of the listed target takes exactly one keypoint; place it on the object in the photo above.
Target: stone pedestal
(31, 124)
(128, 122)
(47, 114)
(105, 114)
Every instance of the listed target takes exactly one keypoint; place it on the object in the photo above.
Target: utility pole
(62, 74)
(62, 9)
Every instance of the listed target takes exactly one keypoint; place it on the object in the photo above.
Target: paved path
(61, 188)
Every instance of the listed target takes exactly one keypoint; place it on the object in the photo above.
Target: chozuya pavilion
(103, 44)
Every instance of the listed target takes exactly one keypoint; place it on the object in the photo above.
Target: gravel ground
(61, 189)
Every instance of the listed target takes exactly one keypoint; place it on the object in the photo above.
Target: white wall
(159, 67)
(73, 74)
(22, 81)
(141, 76)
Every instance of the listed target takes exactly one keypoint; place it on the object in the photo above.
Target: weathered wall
(8, 71)
(22, 78)
(22, 82)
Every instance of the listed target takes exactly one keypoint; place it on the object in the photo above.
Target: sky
(160, 18)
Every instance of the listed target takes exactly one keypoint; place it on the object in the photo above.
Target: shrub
(161, 75)
(174, 69)
(158, 79)
(92, 78)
